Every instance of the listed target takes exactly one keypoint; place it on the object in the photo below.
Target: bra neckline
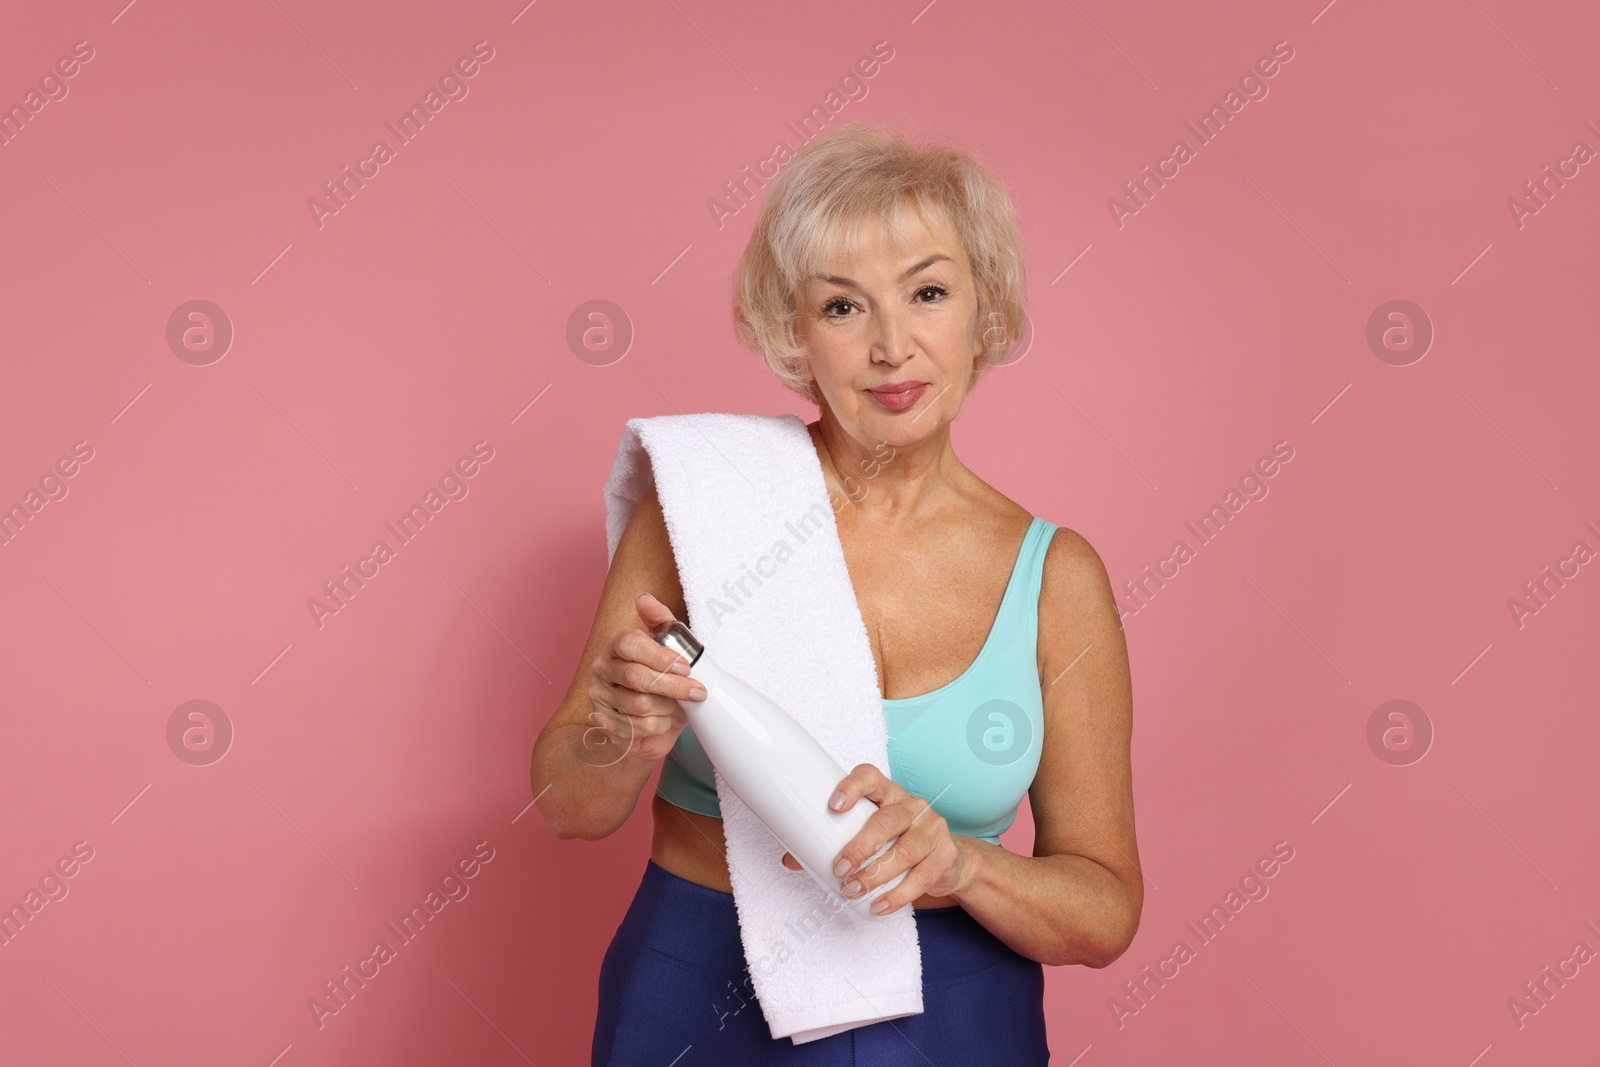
(1005, 599)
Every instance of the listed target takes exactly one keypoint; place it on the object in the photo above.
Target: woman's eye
(839, 307)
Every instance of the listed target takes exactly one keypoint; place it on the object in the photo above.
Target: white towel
(769, 595)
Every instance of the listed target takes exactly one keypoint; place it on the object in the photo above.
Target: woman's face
(879, 316)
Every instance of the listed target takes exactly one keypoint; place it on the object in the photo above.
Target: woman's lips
(899, 399)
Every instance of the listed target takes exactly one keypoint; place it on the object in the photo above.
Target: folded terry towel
(769, 595)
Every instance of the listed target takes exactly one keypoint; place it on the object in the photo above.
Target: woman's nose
(892, 343)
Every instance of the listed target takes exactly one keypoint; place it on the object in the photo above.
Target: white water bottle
(777, 769)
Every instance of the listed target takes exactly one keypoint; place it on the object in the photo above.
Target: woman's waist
(699, 925)
(691, 845)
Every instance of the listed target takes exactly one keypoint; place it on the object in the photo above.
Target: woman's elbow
(563, 832)
(566, 828)
(565, 820)
(1105, 944)
(1112, 949)
(1122, 929)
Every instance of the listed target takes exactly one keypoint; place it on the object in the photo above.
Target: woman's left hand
(937, 862)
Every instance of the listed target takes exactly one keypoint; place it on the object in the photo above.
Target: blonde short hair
(853, 175)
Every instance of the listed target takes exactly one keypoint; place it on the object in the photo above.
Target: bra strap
(1034, 555)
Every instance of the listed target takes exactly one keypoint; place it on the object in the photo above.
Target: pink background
(371, 754)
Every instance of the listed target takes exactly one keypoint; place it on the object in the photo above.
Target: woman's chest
(929, 611)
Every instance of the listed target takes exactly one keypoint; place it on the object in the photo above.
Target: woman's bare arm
(1078, 898)
(583, 785)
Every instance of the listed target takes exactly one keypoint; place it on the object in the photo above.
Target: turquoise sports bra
(971, 747)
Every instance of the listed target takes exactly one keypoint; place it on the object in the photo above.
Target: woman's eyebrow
(920, 266)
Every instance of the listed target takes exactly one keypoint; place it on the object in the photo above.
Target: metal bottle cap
(676, 636)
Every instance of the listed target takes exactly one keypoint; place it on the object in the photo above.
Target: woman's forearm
(1058, 910)
(584, 792)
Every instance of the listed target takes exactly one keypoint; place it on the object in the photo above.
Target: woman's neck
(892, 484)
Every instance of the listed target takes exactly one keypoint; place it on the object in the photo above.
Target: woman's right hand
(634, 689)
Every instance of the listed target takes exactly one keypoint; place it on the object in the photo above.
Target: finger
(646, 713)
(652, 611)
(602, 742)
(905, 855)
(904, 838)
(858, 783)
(609, 733)
(653, 614)
(643, 647)
(865, 780)
(790, 862)
(910, 888)
(642, 665)
(637, 712)
(606, 694)
(895, 851)
(611, 721)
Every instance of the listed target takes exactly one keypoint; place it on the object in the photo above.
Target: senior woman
(882, 281)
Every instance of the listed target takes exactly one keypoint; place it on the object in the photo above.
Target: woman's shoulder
(1073, 570)
(1077, 606)
(1072, 560)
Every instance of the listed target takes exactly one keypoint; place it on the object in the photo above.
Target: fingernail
(696, 693)
(679, 667)
(880, 906)
(851, 888)
(841, 868)
(837, 803)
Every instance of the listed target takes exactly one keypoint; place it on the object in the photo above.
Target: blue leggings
(673, 976)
